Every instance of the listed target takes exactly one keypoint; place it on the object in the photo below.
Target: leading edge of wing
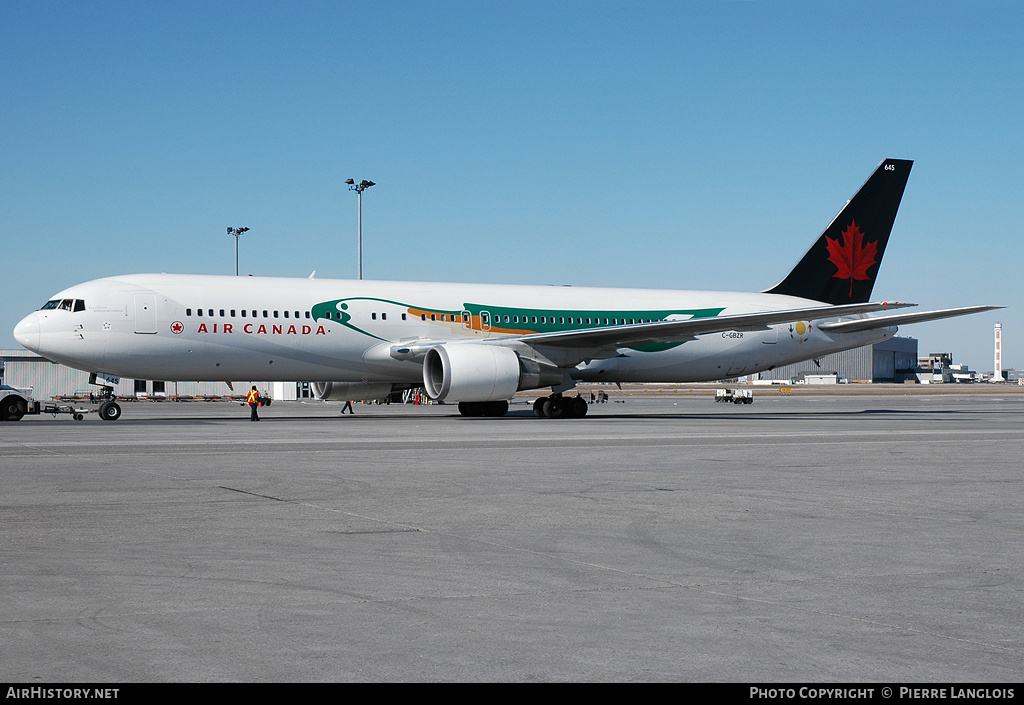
(901, 319)
(681, 331)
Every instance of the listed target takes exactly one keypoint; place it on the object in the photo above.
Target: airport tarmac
(819, 539)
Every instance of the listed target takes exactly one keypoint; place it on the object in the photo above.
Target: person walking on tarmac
(348, 405)
(253, 400)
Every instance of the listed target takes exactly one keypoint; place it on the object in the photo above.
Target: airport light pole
(359, 188)
(236, 232)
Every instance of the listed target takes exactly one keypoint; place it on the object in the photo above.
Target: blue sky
(690, 145)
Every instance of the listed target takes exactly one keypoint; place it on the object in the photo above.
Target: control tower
(997, 376)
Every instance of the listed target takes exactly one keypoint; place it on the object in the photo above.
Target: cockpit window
(64, 305)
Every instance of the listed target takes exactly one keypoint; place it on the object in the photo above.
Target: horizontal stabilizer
(900, 319)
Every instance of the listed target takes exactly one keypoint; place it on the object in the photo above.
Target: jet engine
(474, 372)
(349, 391)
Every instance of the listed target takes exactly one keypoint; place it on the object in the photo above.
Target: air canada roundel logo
(177, 327)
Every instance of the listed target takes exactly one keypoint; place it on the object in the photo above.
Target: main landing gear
(483, 408)
(558, 407)
(553, 407)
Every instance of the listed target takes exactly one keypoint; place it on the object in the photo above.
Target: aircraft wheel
(110, 411)
(555, 407)
(579, 408)
(496, 408)
(483, 408)
(538, 407)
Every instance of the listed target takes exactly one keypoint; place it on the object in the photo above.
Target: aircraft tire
(538, 407)
(469, 408)
(483, 408)
(110, 411)
(578, 408)
(555, 407)
(496, 408)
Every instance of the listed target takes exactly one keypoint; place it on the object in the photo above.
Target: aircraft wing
(900, 319)
(681, 331)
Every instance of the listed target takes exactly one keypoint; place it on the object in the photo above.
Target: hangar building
(893, 360)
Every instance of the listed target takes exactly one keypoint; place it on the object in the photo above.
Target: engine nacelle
(349, 391)
(474, 372)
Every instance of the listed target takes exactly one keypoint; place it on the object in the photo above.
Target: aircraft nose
(27, 332)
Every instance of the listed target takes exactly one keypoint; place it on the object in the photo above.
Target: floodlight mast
(236, 232)
(359, 188)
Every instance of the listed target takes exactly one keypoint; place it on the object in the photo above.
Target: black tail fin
(841, 266)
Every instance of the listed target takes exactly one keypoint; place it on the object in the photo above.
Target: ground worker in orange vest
(253, 400)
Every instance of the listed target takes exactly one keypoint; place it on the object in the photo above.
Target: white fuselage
(207, 328)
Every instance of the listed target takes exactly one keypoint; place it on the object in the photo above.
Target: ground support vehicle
(736, 396)
(16, 403)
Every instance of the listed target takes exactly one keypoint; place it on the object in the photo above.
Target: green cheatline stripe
(526, 320)
(538, 320)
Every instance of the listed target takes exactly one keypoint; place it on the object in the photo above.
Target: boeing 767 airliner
(479, 344)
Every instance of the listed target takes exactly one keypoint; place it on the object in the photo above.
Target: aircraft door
(737, 365)
(145, 313)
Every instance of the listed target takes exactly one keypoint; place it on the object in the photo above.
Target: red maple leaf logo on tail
(853, 257)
